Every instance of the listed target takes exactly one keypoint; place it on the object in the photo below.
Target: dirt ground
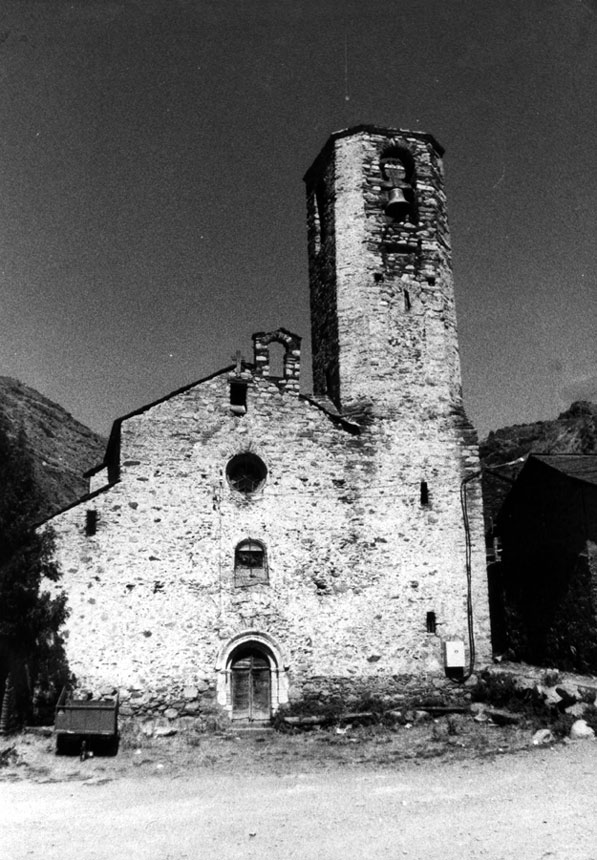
(455, 790)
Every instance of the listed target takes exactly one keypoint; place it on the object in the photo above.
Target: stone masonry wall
(387, 287)
(354, 560)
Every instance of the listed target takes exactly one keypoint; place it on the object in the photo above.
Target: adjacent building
(544, 588)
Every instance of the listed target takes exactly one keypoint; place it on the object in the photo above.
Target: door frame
(271, 651)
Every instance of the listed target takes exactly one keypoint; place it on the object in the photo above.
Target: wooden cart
(78, 722)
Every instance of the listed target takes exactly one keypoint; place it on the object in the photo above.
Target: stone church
(244, 545)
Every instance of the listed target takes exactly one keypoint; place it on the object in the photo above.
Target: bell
(397, 206)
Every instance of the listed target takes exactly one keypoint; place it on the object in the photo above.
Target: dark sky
(151, 195)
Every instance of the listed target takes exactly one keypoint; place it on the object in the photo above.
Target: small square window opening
(238, 398)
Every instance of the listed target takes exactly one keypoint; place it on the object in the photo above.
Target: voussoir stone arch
(276, 658)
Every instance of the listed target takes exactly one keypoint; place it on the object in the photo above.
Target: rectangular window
(250, 564)
(90, 522)
(238, 397)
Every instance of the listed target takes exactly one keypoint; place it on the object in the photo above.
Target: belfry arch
(291, 363)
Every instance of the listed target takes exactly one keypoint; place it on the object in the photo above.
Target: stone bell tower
(382, 299)
(385, 352)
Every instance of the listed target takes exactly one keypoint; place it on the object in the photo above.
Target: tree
(31, 650)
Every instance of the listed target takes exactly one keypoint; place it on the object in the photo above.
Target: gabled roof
(580, 467)
(538, 484)
(111, 456)
(141, 409)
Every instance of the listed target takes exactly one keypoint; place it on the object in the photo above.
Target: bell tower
(382, 298)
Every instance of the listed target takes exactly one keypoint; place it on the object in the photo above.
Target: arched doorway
(252, 679)
(250, 684)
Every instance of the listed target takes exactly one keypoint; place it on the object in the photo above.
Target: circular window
(246, 473)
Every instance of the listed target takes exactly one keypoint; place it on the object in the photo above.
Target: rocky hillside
(573, 432)
(62, 448)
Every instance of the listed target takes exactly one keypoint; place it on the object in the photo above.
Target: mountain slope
(61, 448)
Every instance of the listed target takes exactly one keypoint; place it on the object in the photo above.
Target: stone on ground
(580, 730)
(543, 737)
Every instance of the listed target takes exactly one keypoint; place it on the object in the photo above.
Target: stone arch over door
(251, 677)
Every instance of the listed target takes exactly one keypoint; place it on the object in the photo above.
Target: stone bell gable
(245, 544)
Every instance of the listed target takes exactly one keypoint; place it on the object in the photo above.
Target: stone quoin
(244, 545)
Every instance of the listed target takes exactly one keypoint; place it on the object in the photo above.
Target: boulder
(588, 694)
(107, 692)
(543, 737)
(523, 684)
(550, 696)
(578, 709)
(395, 716)
(165, 731)
(421, 716)
(581, 731)
(569, 694)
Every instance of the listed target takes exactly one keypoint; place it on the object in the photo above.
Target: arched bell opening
(398, 177)
(277, 355)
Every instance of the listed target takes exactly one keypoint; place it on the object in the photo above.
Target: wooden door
(251, 686)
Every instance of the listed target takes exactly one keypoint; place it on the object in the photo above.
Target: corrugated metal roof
(583, 467)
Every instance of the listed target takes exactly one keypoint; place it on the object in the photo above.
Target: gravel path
(539, 803)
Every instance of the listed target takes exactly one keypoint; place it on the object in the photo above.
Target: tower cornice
(365, 128)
